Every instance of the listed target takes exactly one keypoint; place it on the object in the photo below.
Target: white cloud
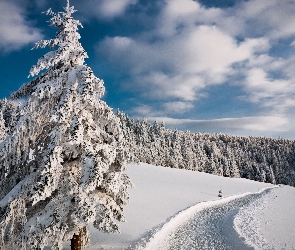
(266, 62)
(143, 111)
(277, 94)
(110, 8)
(15, 31)
(162, 86)
(191, 48)
(274, 18)
(177, 107)
(257, 81)
(175, 14)
(181, 66)
(104, 9)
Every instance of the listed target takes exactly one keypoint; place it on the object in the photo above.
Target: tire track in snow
(206, 225)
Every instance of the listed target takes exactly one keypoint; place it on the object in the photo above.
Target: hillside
(161, 193)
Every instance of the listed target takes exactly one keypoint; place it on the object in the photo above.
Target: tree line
(255, 158)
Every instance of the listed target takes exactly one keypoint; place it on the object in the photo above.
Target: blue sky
(209, 66)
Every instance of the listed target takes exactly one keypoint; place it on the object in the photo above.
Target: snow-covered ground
(268, 223)
(163, 195)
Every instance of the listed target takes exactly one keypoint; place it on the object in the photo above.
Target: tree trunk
(76, 241)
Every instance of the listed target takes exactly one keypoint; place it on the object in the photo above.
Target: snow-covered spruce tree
(61, 168)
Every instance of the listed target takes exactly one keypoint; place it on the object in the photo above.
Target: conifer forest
(255, 158)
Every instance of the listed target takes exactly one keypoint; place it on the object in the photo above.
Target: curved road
(210, 228)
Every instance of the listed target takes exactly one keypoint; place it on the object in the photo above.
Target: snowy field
(170, 205)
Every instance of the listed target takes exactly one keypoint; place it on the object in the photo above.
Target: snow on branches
(2, 127)
(69, 51)
(256, 158)
(62, 162)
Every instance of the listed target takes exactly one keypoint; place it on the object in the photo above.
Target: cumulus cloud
(274, 18)
(112, 8)
(15, 31)
(185, 55)
(277, 94)
(103, 9)
(144, 111)
(161, 86)
(177, 107)
(99, 9)
(182, 66)
(189, 48)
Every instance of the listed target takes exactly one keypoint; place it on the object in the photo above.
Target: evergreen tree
(62, 167)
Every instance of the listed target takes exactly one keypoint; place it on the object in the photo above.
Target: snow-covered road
(207, 225)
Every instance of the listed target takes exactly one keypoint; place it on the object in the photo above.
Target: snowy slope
(160, 193)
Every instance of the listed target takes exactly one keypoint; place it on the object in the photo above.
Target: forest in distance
(255, 158)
